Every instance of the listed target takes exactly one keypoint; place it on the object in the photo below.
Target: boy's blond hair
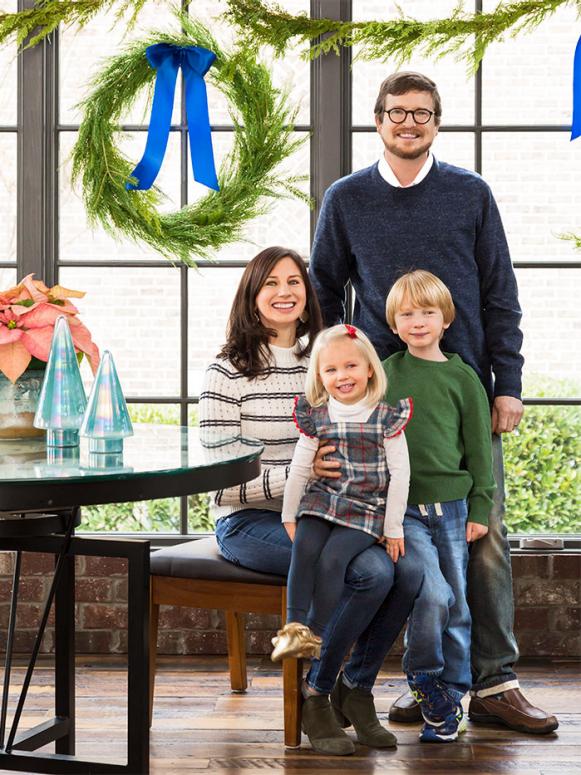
(421, 289)
(377, 385)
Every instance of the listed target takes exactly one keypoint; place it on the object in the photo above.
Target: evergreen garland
(46, 15)
(263, 126)
(574, 238)
(467, 35)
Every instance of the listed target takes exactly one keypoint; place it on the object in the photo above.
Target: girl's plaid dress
(358, 498)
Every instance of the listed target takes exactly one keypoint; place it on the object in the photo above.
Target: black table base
(17, 749)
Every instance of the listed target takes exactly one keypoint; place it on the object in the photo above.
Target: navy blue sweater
(370, 233)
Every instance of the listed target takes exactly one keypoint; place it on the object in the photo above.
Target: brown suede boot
(355, 706)
(321, 727)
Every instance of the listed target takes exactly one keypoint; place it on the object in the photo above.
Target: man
(409, 211)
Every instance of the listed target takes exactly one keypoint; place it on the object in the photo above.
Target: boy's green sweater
(449, 435)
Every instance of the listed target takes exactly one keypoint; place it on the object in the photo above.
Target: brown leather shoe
(513, 710)
(405, 710)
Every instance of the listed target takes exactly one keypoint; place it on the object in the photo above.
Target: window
(8, 137)
(509, 122)
(163, 336)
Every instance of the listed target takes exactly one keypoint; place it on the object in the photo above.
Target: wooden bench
(194, 574)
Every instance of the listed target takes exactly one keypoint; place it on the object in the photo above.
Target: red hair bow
(351, 331)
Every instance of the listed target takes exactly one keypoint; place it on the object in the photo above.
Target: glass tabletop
(154, 450)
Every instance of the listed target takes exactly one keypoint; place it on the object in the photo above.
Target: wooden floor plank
(200, 726)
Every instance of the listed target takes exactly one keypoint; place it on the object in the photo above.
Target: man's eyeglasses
(399, 115)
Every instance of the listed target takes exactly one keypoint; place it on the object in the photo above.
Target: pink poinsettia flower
(28, 313)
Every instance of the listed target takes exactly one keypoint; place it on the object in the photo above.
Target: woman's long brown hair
(246, 338)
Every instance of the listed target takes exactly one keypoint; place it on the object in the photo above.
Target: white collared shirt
(388, 174)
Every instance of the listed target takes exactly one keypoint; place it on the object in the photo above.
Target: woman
(249, 389)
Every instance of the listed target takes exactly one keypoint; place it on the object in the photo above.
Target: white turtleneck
(398, 464)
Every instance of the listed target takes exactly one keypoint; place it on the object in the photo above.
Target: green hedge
(542, 480)
(158, 516)
(541, 463)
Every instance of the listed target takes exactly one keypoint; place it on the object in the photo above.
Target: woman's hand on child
(474, 531)
(291, 529)
(394, 547)
(326, 469)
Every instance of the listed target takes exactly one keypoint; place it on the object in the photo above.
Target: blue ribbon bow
(576, 120)
(195, 63)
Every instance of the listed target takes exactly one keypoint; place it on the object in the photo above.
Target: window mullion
(330, 109)
(36, 167)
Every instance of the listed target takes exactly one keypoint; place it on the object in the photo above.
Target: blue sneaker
(435, 703)
(445, 731)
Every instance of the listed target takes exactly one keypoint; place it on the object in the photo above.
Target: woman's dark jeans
(375, 604)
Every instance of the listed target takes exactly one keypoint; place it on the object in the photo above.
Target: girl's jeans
(321, 552)
(375, 603)
(438, 634)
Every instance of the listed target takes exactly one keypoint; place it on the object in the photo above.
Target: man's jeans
(376, 601)
(494, 651)
(494, 648)
(439, 627)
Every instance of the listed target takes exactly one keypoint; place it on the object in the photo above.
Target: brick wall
(547, 593)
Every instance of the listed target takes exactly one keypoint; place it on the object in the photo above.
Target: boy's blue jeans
(490, 597)
(438, 634)
(376, 600)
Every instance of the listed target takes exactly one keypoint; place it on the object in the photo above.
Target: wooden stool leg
(153, 627)
(292, 676)
(236, 650)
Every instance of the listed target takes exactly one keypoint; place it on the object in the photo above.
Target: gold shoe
(295, 640)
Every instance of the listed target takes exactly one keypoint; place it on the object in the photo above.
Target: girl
(340, 518)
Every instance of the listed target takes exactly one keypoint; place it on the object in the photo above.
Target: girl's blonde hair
(377, 385)
(422, 289)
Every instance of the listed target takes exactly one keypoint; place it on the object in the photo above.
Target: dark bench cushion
(201, 560)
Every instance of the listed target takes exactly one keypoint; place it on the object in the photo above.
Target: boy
(450, 494)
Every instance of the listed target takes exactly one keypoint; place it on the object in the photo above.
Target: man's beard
(413, 153)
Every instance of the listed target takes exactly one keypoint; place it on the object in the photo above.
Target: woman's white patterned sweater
(261, 408)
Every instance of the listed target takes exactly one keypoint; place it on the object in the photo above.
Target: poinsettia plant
(28, 313)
